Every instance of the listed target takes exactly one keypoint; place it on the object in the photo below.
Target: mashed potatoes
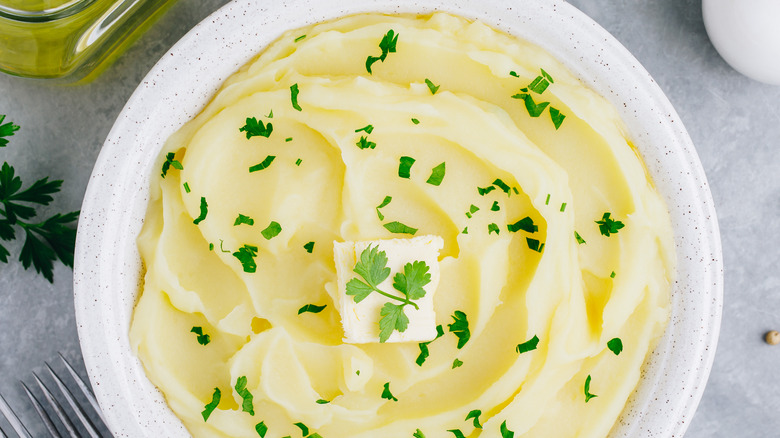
(557, 257)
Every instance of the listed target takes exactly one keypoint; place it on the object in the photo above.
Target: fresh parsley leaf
(272, 230)
(202, 339)
(608, 225)
(505, 432)
(485, 190)
(539, 85)
(534, 244)
(456, 363)
(303, 428)
(465, 231)
(615, 345)
(6, 130)
(312, 308)
(579, 238)
(209, 408)
(309, 247)
(457, 433)
(241, 219)
(386, 394)
(460, 327)
(372, 266)
(405, 166)
(186, 187)
(263, 165)
(204, 210)
(294, 97)
(437, 175)
(556, 117)
(475, 415)
(547, 76)
(255, 128)
(368, 129)
(382, 205)
(588, 395)
(399, 228)
(473, 209)
(387, 45)
(418, 434)
(170, 162)
(416, 122)
(431, 86)
(261, 429)
(493, 228)
(495, 206)
(424, 352)
(412, 280)
(392, 318)
(359, 290)
(363, 143)
(246, 255)
(322, 401)
(501, 185)
(526, 224)
(529, 345)
(299, 38)
(534, 109)
(247, 405)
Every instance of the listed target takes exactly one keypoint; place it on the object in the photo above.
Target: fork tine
(2, 434)
(41, 413)
(83, 387)
(64, 418)
(85, 421)
(13, 420)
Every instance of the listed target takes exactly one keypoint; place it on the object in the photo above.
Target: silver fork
(56, 410)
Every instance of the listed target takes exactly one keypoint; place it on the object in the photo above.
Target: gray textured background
(733, 121)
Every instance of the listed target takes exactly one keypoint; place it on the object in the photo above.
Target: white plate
(107, 264)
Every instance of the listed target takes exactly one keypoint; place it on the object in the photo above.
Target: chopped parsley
(514, 73)
(246, 255)
(485, 190)
(615, 345)
(6, 130)
(456, 363)
(270, 114)
(579, 238)
(556, 117)
(493, 228)
(460, 327)
(303, 428)
(288, 139)
(399, 228)
(501, 185)
(563, 207)
(526, 224)
(475, 416)
(298, 162)
(263, 165)
(424, 353)
(272, 230)
(382, 205)
(312, 308)
(221, 243)
(418, 434)
(495, 206)
(241, 219)
(612, 275)
(405, 167)
(309, 247)
(255, 128)
(416, 122)
(534, 244)
(322, 401)
(505, 432)
(387, 45)
(204, 210)
(299, 38)
(261, 429)
(529, 345)
(363, 143)
(473, 209)
(457, 433)
(588, 395)
(386, 394)
(547, 201)
(294, 97)
(167, 164)
(608, 225)
(202, 339)
(368, 129)
(465, 231)
(437, 175)
(186, 187)
(247, 404)
(431, 86)
(209, 408)
(534, 109)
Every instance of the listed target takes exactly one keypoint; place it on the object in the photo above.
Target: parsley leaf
(372, 266)
(309, 247)
(526, 224)
(255, 128)
(588, 395)
(387, 45)
(437, 175)
(382, 205)
(416, 122)
(615, 345)
(539, 85)
(612, 275)
(263, 165)
(392, 318)
(579, 238)
(502, 185)
(475, 415)
(609, 226)
(556, 117)
(457, 433)
(534, 244)
(299, 38)
(431, 86)
(505, 432)
(368, 129)
(246, 405)
(363, 143)
(386, 394)
(465, 230)
(261, 429)
(204, 210)
(209, 408)
(303, 428)
(6, 130)
(312, 308)
(424, 353)
(294, 97)
(399, 228)
(473, 209)
(456, 363)
(485, 190)
(272, 230)
(495, 206)
(493, 228)
(322, 401)
(241, 219)
(170, 162)
(186, 187)
(529, 345)
(412, 280)
(514, 73)
(246, 255)
(534, 109)
(405, 166)
(202, 339)
(418, 434)
(460, 327)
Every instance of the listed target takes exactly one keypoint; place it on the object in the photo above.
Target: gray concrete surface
(734, 123)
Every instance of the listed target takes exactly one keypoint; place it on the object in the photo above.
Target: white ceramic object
(746, 33)
(107, 266)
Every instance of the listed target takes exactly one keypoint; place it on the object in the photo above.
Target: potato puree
(574, 294)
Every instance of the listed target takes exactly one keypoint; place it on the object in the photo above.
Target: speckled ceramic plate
(108, 266)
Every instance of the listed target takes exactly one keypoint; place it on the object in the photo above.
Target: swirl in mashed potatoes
(577, 282)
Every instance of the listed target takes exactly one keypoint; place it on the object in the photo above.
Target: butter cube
(361, 320)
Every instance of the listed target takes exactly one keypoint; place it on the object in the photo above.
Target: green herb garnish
(529, 345)
(431, 86)
(6, 130)
(261, 429)
(405, 167)
(472, 209)
(465, 231)
(418, 434)
(363, 143)
(386, 394)
(416, 122)
(485, 190)
(186, 187)
(612, 275)
(615, 345)
(460, 327)
(211, 247)
(263, 165)
(312, 308)
(588, 395)
(456, 363)
(241, 219)
(424, 353)
(167, 164)
(270, 114)
(505, 432)
(303, 428)
(399, 228)
(534, 244)
(322, 401)
(299, 38)
(272, 230)
(457, 433)
(368, 129)
(387, 45)
(204, 210)
(547, 201)
(294, 97)
(202, 339)
(475, 415)
(556, 117)
(209, 408)
(534, 109)
(609, 226)
(246, 255)
(255, 128)
(526, 224)
(495, 206)
(246, 396)
(437, 175)
(501, 185)
(563, 207)
(493, 228)
(514, 73)
(298, 162)
(579, 238)
(288, 139)
(382, 205)
(309, 247)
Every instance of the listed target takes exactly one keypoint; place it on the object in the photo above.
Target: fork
(55, 408)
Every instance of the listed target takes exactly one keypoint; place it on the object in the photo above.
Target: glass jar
(70, 39)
